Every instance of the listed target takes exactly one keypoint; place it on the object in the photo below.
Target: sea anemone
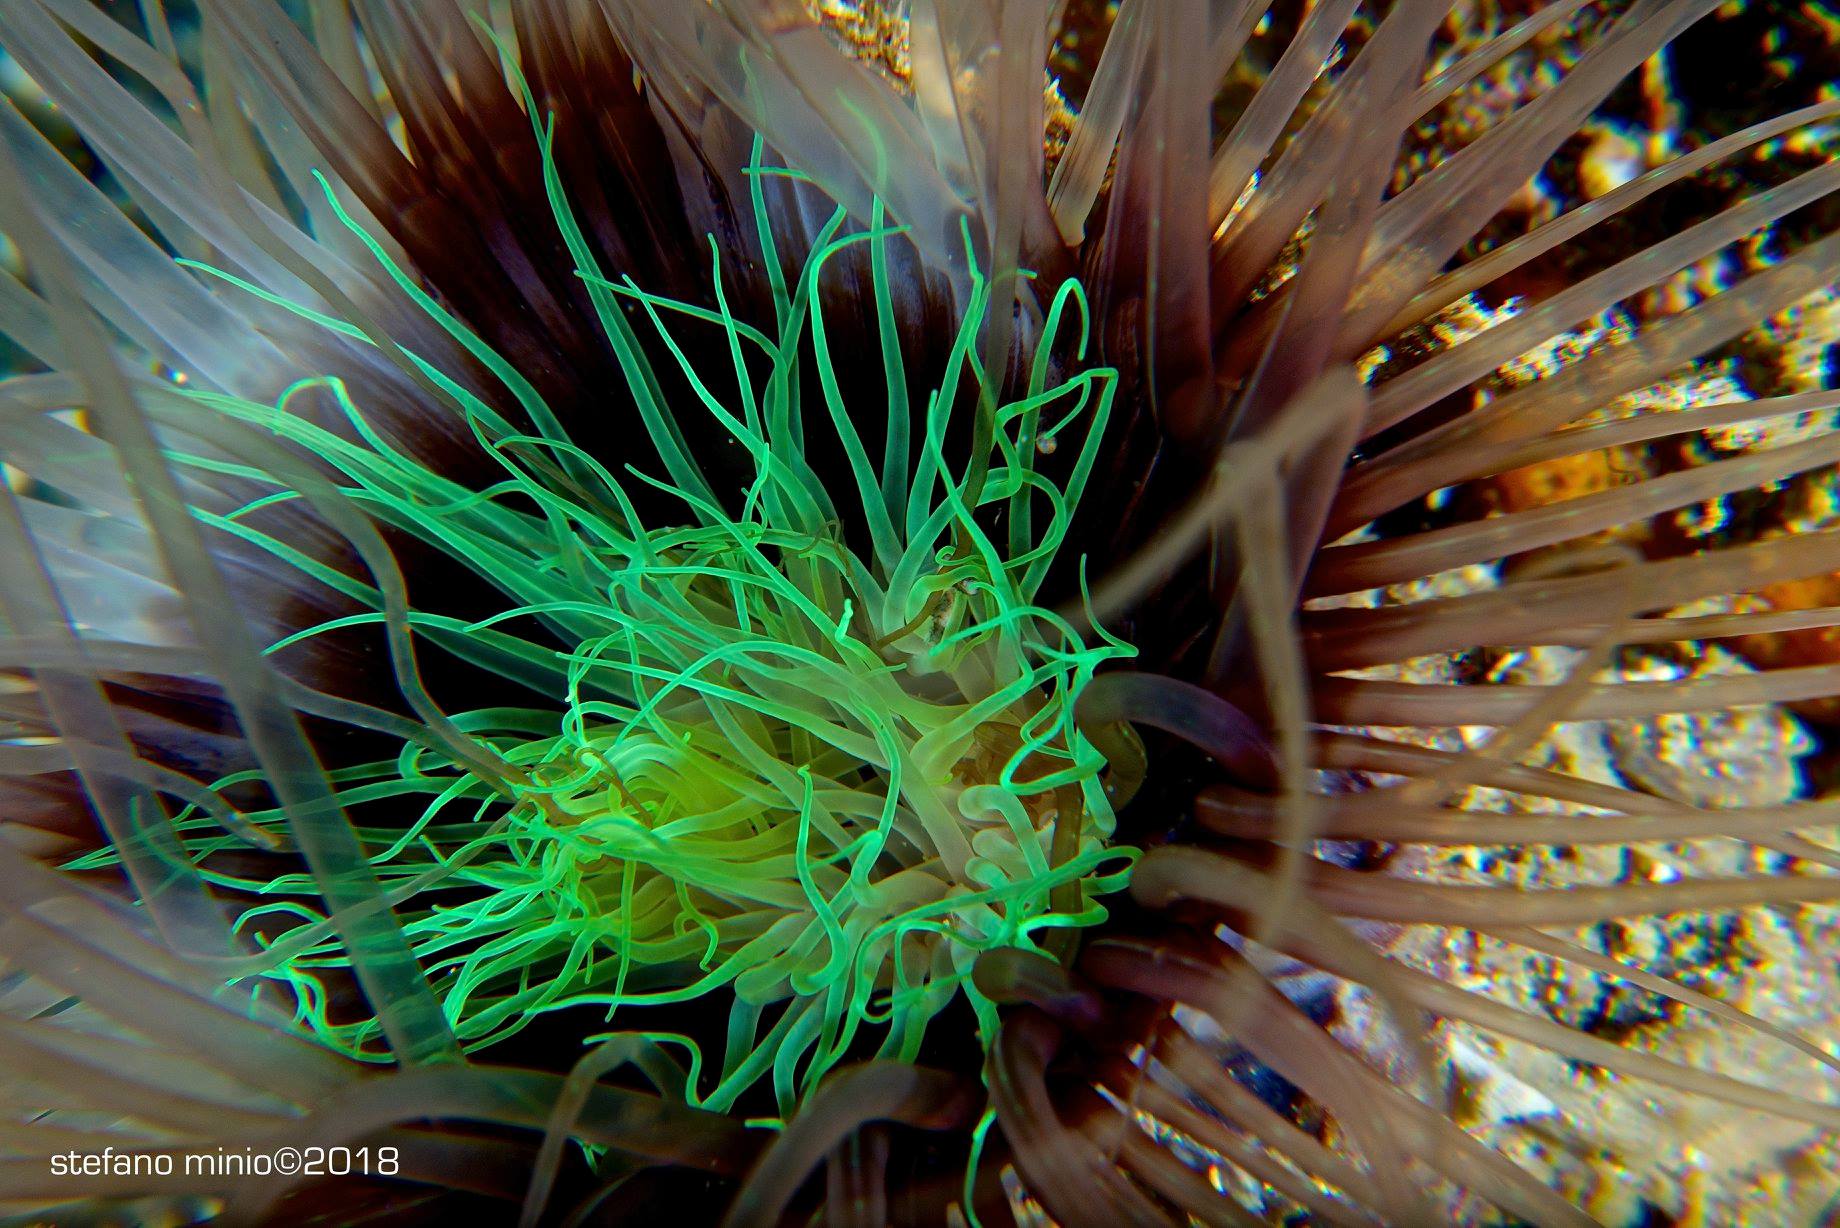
(929, 612)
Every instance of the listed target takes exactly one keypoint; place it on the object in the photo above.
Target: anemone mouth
(477, 567)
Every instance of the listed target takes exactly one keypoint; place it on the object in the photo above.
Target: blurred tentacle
(877, 1091)
(1274, 1029)
(1075, 1179)
(398, 988)
(1423, 226)
(856, 1181)
(1157, 219)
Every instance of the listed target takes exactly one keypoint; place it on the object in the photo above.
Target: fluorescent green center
(825, 779)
